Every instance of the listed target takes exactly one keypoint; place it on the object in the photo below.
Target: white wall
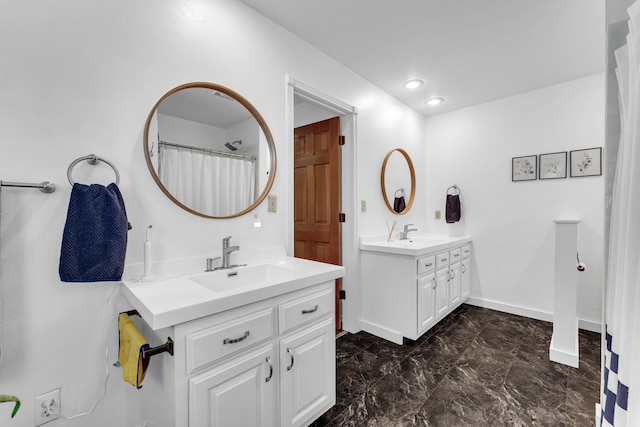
(80, 77)
(512, 222)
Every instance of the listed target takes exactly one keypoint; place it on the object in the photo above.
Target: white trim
(562, 356)
(382, 332)
(587, 325)
(350, 255)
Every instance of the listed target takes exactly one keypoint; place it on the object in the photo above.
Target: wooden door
(317, 195)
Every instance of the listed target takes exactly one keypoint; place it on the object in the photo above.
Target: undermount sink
(241, 277)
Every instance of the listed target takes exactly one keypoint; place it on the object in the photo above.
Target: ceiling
(466, 51)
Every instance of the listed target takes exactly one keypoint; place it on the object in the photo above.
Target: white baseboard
(588, 325)
(569, 358)
(379, 331)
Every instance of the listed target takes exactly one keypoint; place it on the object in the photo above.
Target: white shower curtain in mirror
(207, 183)
(620, 400)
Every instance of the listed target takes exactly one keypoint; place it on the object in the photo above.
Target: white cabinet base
(403, 296)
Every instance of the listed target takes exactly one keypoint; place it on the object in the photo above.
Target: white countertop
(168, 301)
(414, 246)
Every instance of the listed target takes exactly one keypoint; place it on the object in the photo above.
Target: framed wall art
(587, 162)
(524, 168)
(553, 165)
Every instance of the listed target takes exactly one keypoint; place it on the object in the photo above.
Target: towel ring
(455, 188)
(92, 159)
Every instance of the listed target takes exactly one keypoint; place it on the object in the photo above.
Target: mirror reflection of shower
(232, 145)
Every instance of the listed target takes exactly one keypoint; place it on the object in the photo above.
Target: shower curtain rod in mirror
(207, 151)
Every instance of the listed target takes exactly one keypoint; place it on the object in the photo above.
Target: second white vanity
(410, 285)
(253, 346)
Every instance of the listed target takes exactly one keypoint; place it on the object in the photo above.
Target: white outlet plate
(51, 398)
(272, 202)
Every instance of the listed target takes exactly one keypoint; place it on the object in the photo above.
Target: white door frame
(349, 250)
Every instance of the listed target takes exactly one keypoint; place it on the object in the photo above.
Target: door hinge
(343, 295)
(342, 217)
(341, 140)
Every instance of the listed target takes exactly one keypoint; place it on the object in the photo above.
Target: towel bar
(152, 351)
(45, 186)
(93, 160)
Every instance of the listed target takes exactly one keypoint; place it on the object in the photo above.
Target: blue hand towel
(94, 242)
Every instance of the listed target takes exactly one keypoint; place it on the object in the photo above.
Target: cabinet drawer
(466, 251)
(210, 344)
(454, 255)
(426, 264)
(305, 309)
(442, 259)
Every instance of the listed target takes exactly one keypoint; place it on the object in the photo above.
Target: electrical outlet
(437, 215)
(47, 407)
(272, 202)
(363, 205)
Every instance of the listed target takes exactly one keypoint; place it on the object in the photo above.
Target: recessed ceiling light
(413, 84)
(435, 101)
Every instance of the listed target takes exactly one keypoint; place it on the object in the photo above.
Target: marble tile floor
(477, 367)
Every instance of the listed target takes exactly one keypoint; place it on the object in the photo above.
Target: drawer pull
(290, 354)
(456, 255)
(428, 264)
(235, 340)
(313, 310)
(435, 284)
(443, 259)
(464, 268)
(453, 274)
(270, 370)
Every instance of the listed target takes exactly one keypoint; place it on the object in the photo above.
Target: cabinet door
(465, 278)
(240, 393)
(442, 293)
(454, 285)
(426, 302)
(308, 373)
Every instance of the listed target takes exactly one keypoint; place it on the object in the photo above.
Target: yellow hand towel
(132, 342)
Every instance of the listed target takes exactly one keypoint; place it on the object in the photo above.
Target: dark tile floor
(477, 367)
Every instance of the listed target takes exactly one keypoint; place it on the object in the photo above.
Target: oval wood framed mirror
(209, 150)
(398, 174)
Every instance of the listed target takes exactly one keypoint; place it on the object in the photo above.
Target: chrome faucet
(404, 234)
(226, 252)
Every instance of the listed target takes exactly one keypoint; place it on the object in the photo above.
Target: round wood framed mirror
(397, 179)
(209, 150)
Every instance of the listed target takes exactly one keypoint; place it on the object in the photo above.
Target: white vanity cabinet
(404, 294)
(465, 272)
(269, 363)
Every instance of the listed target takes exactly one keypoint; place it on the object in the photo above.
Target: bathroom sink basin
(414, 246)
(242, 277)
